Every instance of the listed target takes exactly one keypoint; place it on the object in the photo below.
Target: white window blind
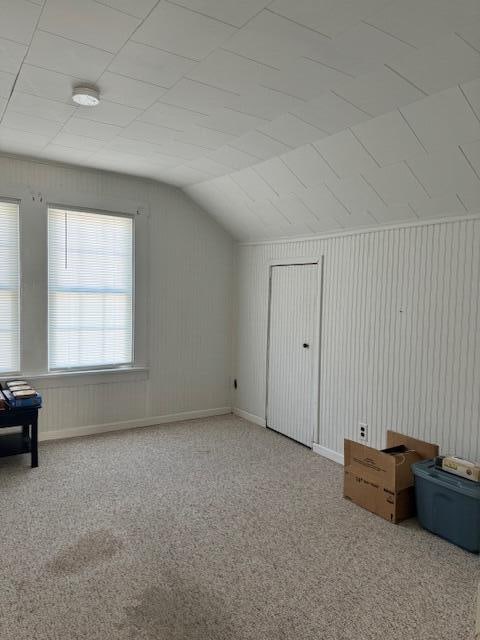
(9, 288)
(90, 289)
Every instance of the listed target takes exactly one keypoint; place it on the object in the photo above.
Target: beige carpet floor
(213, 530)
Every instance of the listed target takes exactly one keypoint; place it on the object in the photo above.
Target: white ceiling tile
(472, 151)
(185, 175)
(444, 119)
(200, 97)
(229, 71)
(395, 184)
(18, 20)
(443, 64)
(11, 55)
(233, 122)
(45, 83)
(6, 84)
(471, 199)
(91, 129)
(439, 207)
(137, 8)
(388, 138)
(88, 22)
(335, 56)
(173, 117)
(444, 172)
(356, 194)
(109, 113)
(41, 107)
(123, 161)
(364, 42)
(231, 11)
(208, 166)
(393, 213)
(134, 93)
(309, 167)
(204, 137)
(421, 22)
(59, 54)
(274, 40)
(138, 148)
(295, 210)
(76, 142)
(379, 92)
(330, 113)
(470, 33)
(65, 154)
(265, 103)
(305, 78)
(147, 132)
(258, 145)
(30, 123)
(21, 141)
(150, 65)
(291, 130)
(184, 150)
(326, 206)
(230, 157)
(252, 184)
(327, 16)
(279, 177)
(231, 189)
(472, 93)
(181, 31)
(345, 154)
(271, 216)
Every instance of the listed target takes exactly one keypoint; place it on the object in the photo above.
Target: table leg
(34, 442)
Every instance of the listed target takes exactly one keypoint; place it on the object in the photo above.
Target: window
(9, 288)
(90, 289)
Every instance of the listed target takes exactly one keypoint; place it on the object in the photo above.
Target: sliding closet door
(293, 351)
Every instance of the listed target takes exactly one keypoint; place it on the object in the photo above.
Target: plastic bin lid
(427, 470)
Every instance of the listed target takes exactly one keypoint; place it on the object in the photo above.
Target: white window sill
(57, 379)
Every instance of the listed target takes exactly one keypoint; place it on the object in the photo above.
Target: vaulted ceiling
(280, 117)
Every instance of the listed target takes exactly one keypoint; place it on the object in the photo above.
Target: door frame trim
(300, 261)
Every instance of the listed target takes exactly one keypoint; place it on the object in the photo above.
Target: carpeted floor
(213, 530)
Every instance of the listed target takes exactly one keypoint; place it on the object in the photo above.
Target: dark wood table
(26, 440)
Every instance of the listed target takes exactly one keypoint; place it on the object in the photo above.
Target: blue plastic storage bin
(448, 505)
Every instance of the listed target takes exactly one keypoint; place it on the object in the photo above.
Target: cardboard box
(381, 480)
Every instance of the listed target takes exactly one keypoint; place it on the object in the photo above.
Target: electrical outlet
(363, 431)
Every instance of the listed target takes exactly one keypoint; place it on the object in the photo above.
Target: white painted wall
(188, 311)
(400, 333)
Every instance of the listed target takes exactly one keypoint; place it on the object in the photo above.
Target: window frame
(105, 367)
(33, 205)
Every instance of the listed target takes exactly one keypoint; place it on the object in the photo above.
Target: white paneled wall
(400, 332)
(189, 303)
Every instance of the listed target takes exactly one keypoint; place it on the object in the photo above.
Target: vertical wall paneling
(400, 332)
(189, 291)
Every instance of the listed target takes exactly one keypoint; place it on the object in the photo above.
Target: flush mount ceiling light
(85, 95)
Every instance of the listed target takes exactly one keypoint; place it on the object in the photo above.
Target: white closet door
(293, 351)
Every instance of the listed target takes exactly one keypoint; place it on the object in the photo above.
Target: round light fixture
(86, 96)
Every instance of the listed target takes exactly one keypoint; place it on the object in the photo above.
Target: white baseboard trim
(131, 424)
(328, 453)
(251, 417)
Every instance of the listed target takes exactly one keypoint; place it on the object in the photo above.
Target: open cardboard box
(381, 480)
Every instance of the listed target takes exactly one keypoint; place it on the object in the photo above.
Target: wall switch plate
(363, 431)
